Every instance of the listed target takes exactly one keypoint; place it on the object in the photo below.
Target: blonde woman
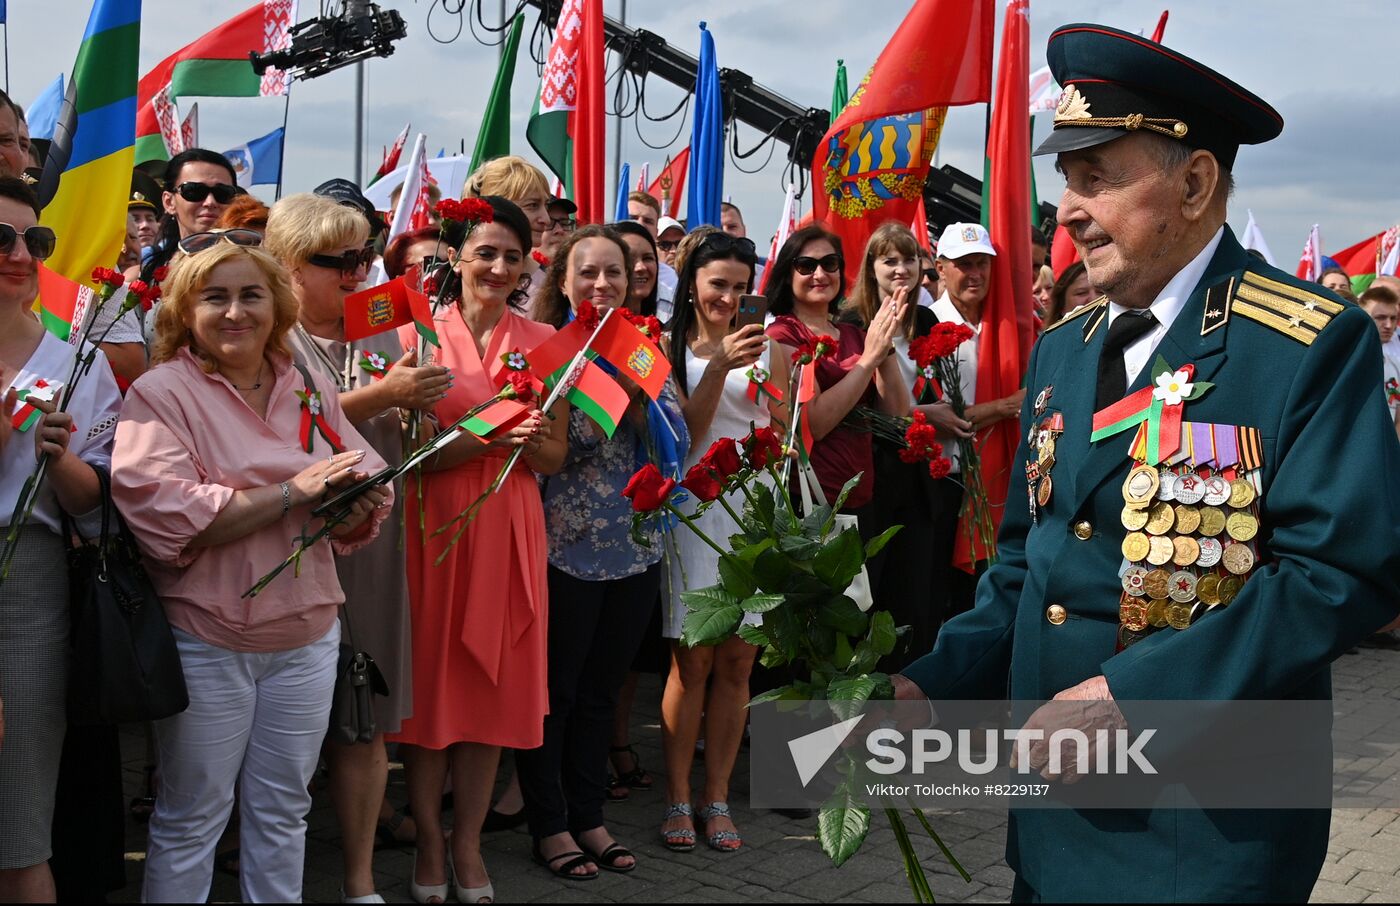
(323, 246)
(520, 182)
(211, 470)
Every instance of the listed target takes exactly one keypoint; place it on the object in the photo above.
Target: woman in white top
(34, 595)
(712, 365)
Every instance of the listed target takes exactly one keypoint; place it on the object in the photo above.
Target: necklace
(255, 386)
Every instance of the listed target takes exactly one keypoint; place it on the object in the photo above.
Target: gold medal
(1046, 453)
(1178, 616)
(1212, 521)
(1238, 558)
(1188, 518)
(1187, 550)
(1230, 587)
(1241, 526)
(1160, 550)
(1140, 487)
(1160, 518)
(1157, 613)
(1134, 519)
(1241, 493)
(1043, 490)
(1157, 583)
(1132, 613)
(1208, 588)
(1136, 547)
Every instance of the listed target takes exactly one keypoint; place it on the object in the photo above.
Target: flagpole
(617, 116)
(359, 122)
(282, 151)
(7, 55)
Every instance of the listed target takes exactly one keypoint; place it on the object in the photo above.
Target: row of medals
(1188, 545)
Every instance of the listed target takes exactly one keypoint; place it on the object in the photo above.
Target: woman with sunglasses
(710, 685)
(34, 597)
(215, 476)
(914, 590)
(805, 287)
(199, 185)
(322, 245)
(479, 618)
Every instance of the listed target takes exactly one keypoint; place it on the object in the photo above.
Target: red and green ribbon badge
(926, 380)
(26, 415)
(313, 417)
(1392, 391)
(1155, 411)
(761, 385)
(376, 364)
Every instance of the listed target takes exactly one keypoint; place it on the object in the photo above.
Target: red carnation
(160, 274)
(589, 314)
(702, 482)
(813, 349)
(450, 210)
(653, 327)
(522, 385)
(107, 277)
(430, 286)
(945, 338)
(723, 457)
(648, 490)
(540, 257)
(476, 210)
(939, 468)
(921, 352)
(763, 447)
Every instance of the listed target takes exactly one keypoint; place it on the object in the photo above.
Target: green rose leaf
(846, 490)
(841, 614)
(877, 544)
(882, 635)
(839, 560)
(759, 509)
(815, 521)
(761, 603)
(799, 547)
(754, 635)
(842, 826)
(783, 693)
(736, 577)
(710, 627)
(772, 570)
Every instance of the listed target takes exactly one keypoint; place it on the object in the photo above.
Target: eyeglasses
(723, 242)
(198, 242)
(347, 263)
(38, 240)
(567, 224)
(197, 192)
(666, 245)
(806, 265)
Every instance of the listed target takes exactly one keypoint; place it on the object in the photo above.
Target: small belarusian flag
(500, 416)
(422, 311)
(550, 360)
(62, 303)
(599, 397)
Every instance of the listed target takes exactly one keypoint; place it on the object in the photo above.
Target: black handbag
(125, 666)
(357, 681)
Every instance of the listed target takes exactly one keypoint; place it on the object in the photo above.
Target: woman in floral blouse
(605, 584)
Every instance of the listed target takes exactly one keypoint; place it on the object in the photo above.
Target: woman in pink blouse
(215, 476)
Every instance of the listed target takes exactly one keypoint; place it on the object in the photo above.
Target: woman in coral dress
(479, 618)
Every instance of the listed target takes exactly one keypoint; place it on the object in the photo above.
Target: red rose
(939, 468)
(723, 457)
(648, 490)
(763, 447)
(702, 482)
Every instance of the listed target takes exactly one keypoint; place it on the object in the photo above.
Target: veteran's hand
(1087, 707)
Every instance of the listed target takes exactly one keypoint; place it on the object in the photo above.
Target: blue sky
(1331, 76)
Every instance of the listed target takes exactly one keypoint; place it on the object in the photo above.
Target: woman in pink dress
(479, 618)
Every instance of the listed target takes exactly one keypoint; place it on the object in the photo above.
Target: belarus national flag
(496, 418)
(62, 303)
(599, 396)
(567, 126)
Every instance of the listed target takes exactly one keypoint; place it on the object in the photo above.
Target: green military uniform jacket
(1303, 368)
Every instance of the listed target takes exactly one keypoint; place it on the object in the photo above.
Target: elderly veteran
(1276, 571)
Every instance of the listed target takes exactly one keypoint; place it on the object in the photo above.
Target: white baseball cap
(961, 239)
(668, 223)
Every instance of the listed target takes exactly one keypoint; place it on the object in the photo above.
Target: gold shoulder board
(1292, 311)
(1079, 312)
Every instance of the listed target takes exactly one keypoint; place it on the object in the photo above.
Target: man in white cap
(669, 234)
(964, 265)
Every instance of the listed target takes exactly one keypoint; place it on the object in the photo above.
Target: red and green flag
(599, 396)
(388, 306)
(567, 124)
(62, 302)
(500, 416)
(493, 140)
(215, 65)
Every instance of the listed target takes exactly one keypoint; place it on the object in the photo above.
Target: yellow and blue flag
(88, 171)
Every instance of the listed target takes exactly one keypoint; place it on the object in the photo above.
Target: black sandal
(565, 871)
(608, 858)
(637, 778)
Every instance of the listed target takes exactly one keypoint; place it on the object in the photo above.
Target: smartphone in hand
(753, 309)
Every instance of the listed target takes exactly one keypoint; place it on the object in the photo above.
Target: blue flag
(3, 20)
(42, 115)
(259, 162)
(624, 180)
(706, 139)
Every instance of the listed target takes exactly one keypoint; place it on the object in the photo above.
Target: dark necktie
(1113, 374)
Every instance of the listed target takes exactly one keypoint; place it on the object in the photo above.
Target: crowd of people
(530, 635)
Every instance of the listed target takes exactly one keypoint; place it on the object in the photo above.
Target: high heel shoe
(424, 893)
(469, 894)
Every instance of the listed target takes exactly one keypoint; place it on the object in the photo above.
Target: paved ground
(782, 862)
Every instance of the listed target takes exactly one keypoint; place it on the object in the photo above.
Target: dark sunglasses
(564, 223)
(723, 242)
(348, 263)
(39, 240)
(666, 245)
(806, 265)
(196, 192)
(198, 242)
